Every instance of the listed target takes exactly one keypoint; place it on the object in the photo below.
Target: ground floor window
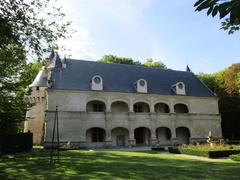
(98, 135)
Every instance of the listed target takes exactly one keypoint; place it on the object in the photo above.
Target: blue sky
(170, 31)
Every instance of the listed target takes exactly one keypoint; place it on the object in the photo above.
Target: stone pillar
(108, 127)
(174, 139)
(152, 110)
(154, 140)
(131, 140)
(130, 106)
(108, 105)
(153, 130)
(171, 107)
(83, 138)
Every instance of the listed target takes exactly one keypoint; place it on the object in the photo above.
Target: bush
(206, 150)
(194, 152)
(16, 142)
(235, 157)
(226, 153)
(174, 150)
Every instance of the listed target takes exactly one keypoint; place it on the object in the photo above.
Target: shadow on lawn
(112, 165)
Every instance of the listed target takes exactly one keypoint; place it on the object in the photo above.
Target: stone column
(152, 110)
(153, 130)
(108, 127)
(131, 140)
(130, 106)
(174, 139)
(171, 107)
(83, 122)
(108, 105)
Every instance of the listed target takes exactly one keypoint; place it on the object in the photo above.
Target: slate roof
(40, 80)
(121, 78)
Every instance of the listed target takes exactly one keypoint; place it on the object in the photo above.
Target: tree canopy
(225, 84)
(121, 60)
(157, 64)
(229, 10)
(27, 28)
(30, 25)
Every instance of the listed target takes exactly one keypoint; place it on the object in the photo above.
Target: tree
(157, 64)
(12, 105)
(226, 85)
(120, 60)
(209, 80)
(130, 61)
(31, 25)
(231, 78)
(27, 28)
(229, 10)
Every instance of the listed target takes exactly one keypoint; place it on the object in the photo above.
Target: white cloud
(79, 46)
(86, 15)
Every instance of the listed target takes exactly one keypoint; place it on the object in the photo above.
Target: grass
(78, 164)
(235, 157)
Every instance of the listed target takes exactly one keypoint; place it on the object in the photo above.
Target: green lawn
(114, 165)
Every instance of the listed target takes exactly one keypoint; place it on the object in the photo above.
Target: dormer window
(97, 80)
(142, 83)
(97, 83)
(141, 86)
(179, 88)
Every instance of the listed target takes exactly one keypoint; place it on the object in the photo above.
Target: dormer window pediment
(179, 88)
(97, 83)
(141, 86)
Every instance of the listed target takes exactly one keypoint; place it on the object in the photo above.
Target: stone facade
(101, 112)
(119, 122)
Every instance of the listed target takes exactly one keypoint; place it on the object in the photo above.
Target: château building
(107, 105)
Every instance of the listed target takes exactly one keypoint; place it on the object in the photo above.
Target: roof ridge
(129, 65)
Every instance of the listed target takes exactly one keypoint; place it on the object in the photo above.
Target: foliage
(120, 60)
(156, 64)
(235, 157)
(226, 85)
(114, 165)
(130, 61)
(228, 9)
(28, 28)
(12, 104)
(209, 80)
(206, 150)
(231, 79)
(33, 25)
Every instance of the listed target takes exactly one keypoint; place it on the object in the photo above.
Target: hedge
(235, 157)
(16, 142)
(204, 153)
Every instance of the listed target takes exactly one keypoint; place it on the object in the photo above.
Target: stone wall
(74, 121)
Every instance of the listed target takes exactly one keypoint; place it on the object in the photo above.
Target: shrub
(174, 150)
(224, 153)
(235, 157)
(16, 142)
(206, 150)
(194, 152)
